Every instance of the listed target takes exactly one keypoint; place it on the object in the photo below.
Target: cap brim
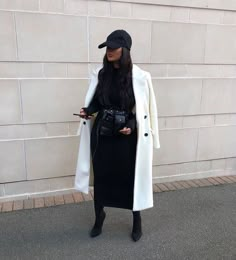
(102, 45)
(109, 44)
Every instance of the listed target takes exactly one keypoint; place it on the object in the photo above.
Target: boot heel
(97, 228)
(137, 227)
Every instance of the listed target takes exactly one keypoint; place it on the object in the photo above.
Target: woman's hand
(83, 114)
(126, 131)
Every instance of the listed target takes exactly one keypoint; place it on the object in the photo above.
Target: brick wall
(48, 49)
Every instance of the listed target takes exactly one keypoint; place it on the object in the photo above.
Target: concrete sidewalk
(196, 223)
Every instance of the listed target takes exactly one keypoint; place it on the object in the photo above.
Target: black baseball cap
(117, 39)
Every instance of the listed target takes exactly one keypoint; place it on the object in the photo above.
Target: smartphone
(81, 115)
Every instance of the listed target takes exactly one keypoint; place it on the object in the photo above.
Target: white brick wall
(48, 49)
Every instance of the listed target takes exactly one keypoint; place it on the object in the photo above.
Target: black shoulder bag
(112, 122)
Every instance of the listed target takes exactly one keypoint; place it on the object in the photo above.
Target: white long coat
(148, 137)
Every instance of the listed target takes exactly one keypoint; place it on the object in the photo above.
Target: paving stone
(7, 206)
(59, 200)
(205, 181)
(39, 202)
(226, 179)
(68, 198)
(178, 185)
(201, 184)
(170, 186)
(219, 180)
(232, 177)
(28, 204)
(92, 193)
(18, 205)
(78, 197)
(162, 186)
(184, 184)
(192, 184)
(49, 201)
(87, 197)
(156, 188)
(213, 181)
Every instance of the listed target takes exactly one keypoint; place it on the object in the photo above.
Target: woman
(121, 158)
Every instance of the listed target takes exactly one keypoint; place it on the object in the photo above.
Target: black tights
(136, 214)
(98, 209)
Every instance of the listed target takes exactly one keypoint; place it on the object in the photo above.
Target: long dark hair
(124, 80)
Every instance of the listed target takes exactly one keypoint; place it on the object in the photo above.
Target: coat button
(145, 117)
(84, 123)
(146, 134)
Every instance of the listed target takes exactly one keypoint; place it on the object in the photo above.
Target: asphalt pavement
(194, 224)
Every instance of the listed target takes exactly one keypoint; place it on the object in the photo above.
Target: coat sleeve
(93, 107)
(90, 94)
(153, 113)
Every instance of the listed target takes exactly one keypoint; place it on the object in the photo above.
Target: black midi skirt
(113, 161)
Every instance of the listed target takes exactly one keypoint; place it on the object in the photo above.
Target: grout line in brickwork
(22, 120)
(222, 17)
(198, 130)
(16, 39)
(21, 102)
(78, 197)
(25, 164)
(189, 14)
(150, 50)
(43, 71)
(66, 71)
(63, 8)
(112, 17)
(171, 14)
(131, 10)
(88, 38)
(110, 9)
(167, 70)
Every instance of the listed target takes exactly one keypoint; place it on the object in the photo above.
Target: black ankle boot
(97, 228)
(137, 226)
